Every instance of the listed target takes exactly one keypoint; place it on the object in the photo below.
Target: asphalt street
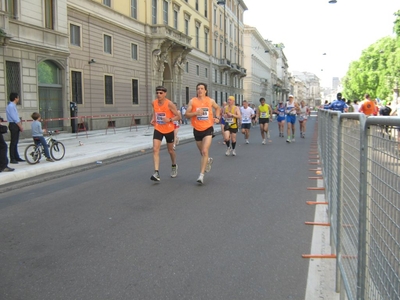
(109, 232)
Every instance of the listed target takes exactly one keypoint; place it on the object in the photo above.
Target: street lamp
(222, 2)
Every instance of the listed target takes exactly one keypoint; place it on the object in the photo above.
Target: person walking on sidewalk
(164, 115)
(264, 112)
(37, 134)
(3, 153)
(15, 126)
(247, 115)
(231, 116)
(200, 111)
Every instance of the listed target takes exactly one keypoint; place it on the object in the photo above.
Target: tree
(377, 71)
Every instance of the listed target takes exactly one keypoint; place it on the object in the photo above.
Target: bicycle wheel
(32, 154)
(57, 150)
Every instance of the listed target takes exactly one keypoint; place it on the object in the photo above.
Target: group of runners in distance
(204, 112)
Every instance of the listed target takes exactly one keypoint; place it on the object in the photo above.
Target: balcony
(164, 32)
(224, 64)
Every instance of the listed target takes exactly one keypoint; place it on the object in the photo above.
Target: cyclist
(37, 134)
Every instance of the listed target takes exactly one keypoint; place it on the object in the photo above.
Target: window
(165, 12)
(49, 14)
(215, 16)
(216, 96)
(215, 47)
(11, 8)
(220, 20)
(134, 51)
(75, 35)
(107, 2)
(221, 77)
(107, 44)
(108, 89)
(186, 27)
(206, 41)
(134, 9)
(206, 72)
(220, 49)
(197, 70)
(187, 67)
(135, 91)
(215, 75)
(187, 95)
(76, 87)
(175, 19)
(197, 5)
(13, 78)
(206, 8)
(197, 37)
(154, 12)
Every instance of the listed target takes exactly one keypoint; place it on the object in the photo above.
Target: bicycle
(34, 152)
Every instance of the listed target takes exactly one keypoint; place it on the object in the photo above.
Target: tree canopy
(377, 72)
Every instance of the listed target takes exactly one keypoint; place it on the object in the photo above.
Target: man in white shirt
(247, 114)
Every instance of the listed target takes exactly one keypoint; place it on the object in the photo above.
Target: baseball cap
(290, 96)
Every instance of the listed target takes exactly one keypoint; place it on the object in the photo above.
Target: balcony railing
(162, 31)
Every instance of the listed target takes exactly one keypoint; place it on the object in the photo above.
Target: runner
(247, 116)
(176, 127)
(290, 119)
(263, 116)
(303, 116)
(280, 112)
(231, 115)
(201, 114)
(254, 118)
(222, 121)
(164, 114)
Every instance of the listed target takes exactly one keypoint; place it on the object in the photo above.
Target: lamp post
(222, 2)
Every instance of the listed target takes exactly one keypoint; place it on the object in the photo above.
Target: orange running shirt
(367, 107)
(206, 120)
(161, 111)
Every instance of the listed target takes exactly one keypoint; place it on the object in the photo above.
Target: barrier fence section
(360, 159)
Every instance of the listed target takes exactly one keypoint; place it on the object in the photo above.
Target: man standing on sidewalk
(164, 114)
(202, 118)
(15, 126)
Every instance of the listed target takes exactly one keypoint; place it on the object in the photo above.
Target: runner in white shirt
(303, 116)
(247, 115)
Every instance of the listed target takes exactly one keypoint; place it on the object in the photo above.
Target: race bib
(263, 115)
(204, 116)
(281, 114)
(159, 118)
(301, 118)
(229, 120)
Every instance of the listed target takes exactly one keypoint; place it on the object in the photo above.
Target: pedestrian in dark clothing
(3, 154)
(15, 126)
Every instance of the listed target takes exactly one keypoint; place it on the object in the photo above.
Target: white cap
(290, 96)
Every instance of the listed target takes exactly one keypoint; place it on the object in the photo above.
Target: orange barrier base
(315, 202)
(316, 188)
(319, 256)
(317, 223)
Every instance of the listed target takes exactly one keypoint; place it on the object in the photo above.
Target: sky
(310, 28)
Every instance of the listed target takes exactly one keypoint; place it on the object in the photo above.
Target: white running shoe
(209, 163)
(293, 139)
(264, 142)
(228, 151)
(200, 179)
(155, 176)
(174, 171)
(247, 141)
(288, 140)
(234, 152)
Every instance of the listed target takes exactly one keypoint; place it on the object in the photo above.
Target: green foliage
(378, 69)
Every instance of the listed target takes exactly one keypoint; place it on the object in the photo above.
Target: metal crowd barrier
(360, 160)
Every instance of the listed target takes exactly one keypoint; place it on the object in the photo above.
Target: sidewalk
(97, 146)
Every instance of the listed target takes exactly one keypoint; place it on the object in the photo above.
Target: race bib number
(301, 118)
(281, 114)
(229, 120)
(159, 118)
(263, 115)
(204, 116)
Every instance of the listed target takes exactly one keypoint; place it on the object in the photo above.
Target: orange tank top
(368, 107)
(161, 111)
(206, 120)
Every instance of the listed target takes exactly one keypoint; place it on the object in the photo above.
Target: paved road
(111, 233)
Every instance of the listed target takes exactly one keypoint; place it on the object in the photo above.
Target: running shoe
(268, 136)
(263, 142)
(177, 140)
(174, 171)
(200, 179)
(228, 152)
(155, 176)
(234, 152)
(293, 139)
(247, 141)
(209, 163)
(288, 140)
